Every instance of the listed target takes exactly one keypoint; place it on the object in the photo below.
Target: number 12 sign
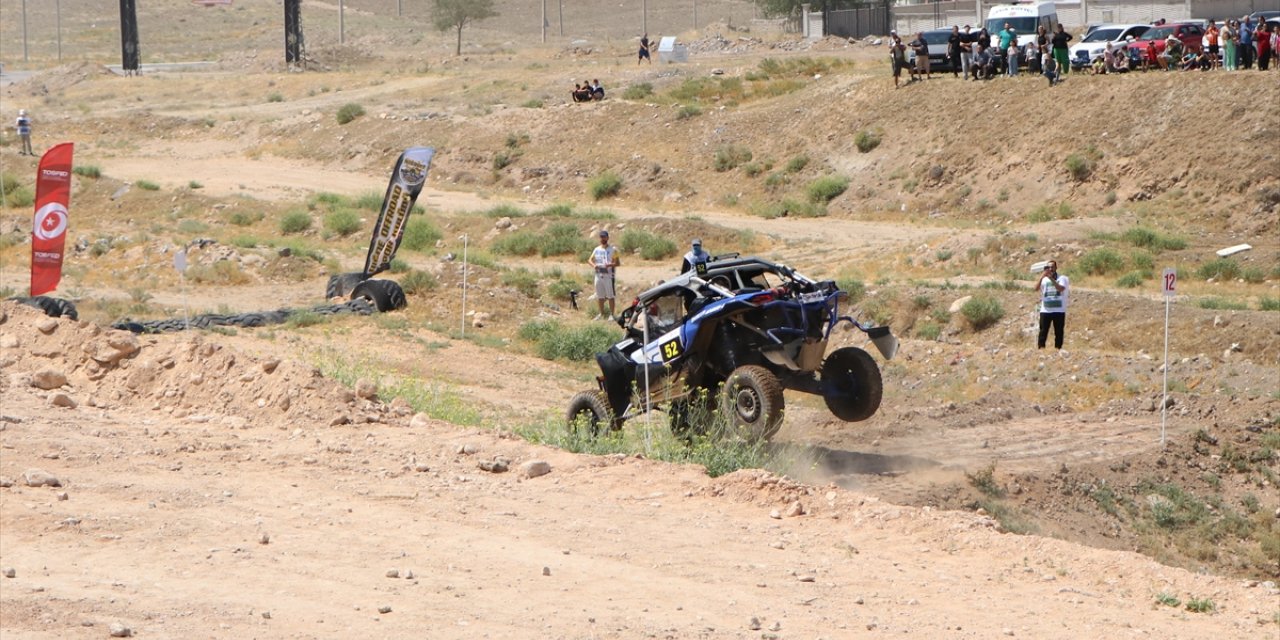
(1170, 280)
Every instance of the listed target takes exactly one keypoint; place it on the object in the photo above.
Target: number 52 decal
(671, 349)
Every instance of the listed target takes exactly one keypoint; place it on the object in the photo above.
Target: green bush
(982, 311)
(420, 234)
(418, 281)
(1100, 262)
(518, 243)
(576, 343)
(730, 156)
(369, 201)
(87, 171)
(1131, 280)
(561, 239)
(688, 111)
(638, 91)
(775, 180)
(852, 285)
(1142, 261)
(147, 185)
(797, 164)
(349, 112)
(752, 169)
(865, 141)
(1214, 302)
(605, 185)
(826, 188)
(1267, 303)
(532, 103)
(1219, 269)
(275, 96)
(1253, 275)
(928, 331)
(399, 265)
(560, 288)
(1079, 167)
(650, 246)
(788, 207)
(295, 221)
(522, 280)
(342, 222)
(245, 218)
(1152, 239)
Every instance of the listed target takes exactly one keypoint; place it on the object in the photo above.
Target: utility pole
(544, 21)
(644, 16)
(561, 10)
(695, 15)
(58, 6)
(399, 8)
(342, 23)
(24, 31)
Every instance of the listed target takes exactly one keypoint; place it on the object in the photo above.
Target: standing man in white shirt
(604, 259)
(1053, 288)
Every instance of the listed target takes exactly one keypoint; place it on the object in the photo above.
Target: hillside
(308, 459)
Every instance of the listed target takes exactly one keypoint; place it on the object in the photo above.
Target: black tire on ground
(384, 295)
(591, 410)
(52, 307)
(341, 285)
(851, 384)
(752, 400)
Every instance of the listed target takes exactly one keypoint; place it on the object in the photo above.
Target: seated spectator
(1152, 61)
(1109, 58)
(1172, 55)
(1099, 66)
(1202, 61)
(1135, 59)
(1051, 70)
(581, 92)
(597, 91)
(983, 66)
(1122, 62)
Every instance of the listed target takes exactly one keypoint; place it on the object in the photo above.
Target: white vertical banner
(1169, 283)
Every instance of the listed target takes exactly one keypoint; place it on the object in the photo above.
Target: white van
(1024, 17)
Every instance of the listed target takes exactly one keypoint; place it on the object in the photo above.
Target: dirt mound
(187, 377)
(59, 79)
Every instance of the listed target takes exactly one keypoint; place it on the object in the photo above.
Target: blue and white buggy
(726, 340)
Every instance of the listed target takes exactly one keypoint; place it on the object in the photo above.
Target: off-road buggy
(727, 339)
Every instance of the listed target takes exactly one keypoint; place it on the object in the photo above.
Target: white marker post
(464, 286)
(180, 263)
(1170, 282)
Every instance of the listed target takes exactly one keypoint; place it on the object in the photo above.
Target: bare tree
(455, 14)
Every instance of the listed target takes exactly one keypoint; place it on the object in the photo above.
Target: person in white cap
(23, 125)
(604, 260)
(695, 257)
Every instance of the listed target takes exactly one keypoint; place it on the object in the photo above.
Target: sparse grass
(348, 112)
(418, 281)
(605, 185)
(561, 238)
(304, 318)
(787, 207)
(687, 111)
(554, 340)
(853, 285)
(730, 156)
(928, 330)
(982, 311)
(1253, 275)
(275, 96)
(1215, 302)
(532, 103)
(650, 245)
(638, 91)
(1131, 280)
(1046, 212)
(223, 272)
(1147, 238)
(943, 255)
(1267, 303)
(430, 397)
(193, 185)
(342, 222)
(420, 234)
(1079, 166)
(866, 141)
(87, 171)
(796, 164)
(1200, 605)
(16, 194)
(503, 159)
(1219, 269)
(1167, 599)
(984, 480)
(1106, 499)
(1010, 518)
(295, 221)
(826, 189)
(1100, 262)
(147, 185)
(775, 180)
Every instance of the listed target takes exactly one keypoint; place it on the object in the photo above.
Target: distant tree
(455, 14)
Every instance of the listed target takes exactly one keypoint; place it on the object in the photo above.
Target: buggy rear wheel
(590, 410)
(851, 384)
(752, 400)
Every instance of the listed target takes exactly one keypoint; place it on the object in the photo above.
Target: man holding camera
(604, 260)
(1053, 288)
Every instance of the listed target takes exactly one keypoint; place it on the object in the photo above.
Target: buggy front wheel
(590, 410)
(752, 400)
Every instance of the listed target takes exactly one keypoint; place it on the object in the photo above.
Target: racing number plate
(700, 268)
(671, 349)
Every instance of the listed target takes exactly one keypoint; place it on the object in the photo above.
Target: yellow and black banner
(407, 179)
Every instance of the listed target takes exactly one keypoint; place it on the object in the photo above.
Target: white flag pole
(180, 263)
(464, 286)
(1169, 280)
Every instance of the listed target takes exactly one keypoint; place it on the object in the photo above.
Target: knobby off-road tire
(591, 410)
(341, 285)
(752, 400)
(52, 307)
(851, 384)
(384, 295)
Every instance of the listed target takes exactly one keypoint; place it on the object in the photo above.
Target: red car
(1190, 33)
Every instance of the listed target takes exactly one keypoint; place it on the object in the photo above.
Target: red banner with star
(49, 228)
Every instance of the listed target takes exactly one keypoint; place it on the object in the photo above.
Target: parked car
(1190, 34)
(937, 40)
(1095, 43)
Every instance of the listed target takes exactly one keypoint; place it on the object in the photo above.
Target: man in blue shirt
(1247, 54)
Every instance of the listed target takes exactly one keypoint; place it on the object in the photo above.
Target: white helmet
(22, 112)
